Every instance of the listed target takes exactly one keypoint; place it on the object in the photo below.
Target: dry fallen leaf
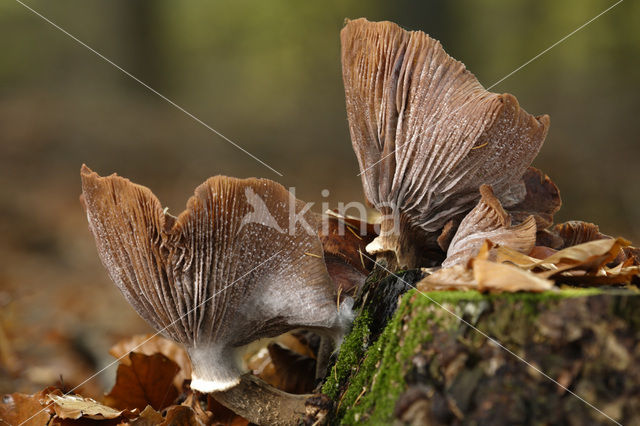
(582, 264)
(17, 408)
(150, 344)
(457, 277)
(75, 407)
(343, 240)
(180, 415)
(147, 381)
(492, 276)
(489, 221)
(587, 256)
(148, 417)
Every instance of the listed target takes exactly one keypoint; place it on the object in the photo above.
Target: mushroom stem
(402, 245)
(261, 403)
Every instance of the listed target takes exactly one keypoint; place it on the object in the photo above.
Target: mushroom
(542, 199)
(426, 135)
(576, 232)
(243, 262)
(489, 221)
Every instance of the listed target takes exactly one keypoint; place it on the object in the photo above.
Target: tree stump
(432, 363)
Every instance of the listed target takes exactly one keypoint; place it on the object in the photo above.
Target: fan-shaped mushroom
(229, 270)
(427, 134)
(489, 221)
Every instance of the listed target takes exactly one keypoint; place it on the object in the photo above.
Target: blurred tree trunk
(141, 31)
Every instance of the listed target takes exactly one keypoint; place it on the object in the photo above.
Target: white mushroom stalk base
(215, 369)
(209, 386)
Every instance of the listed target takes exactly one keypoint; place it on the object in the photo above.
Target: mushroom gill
(229, 270)
(427, 134)
(489, 221)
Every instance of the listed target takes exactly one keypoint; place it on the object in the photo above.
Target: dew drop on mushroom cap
(224, 273)
(427, 135)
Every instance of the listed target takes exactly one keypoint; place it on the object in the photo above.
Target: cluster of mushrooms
(445, 162)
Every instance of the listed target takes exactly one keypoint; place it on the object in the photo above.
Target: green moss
(379, 377)
(351, 352)
(375, 375)
(457, 296)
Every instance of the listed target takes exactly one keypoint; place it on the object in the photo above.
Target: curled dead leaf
(492, 276)
(30, 410)
(581, 264)
(149, 344)
(76, 406)
(489, 221)
(457, 277)
(343, 240)
(180, 415)
(147, 381)
(484, 275)
(148, 417)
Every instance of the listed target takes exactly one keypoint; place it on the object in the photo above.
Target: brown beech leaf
(293, 342)
(507, 255)
(632, 253)
(147, 381)
(584, 264)
(83, 421)
(180, 415)
(489, 221)
(148, 417)
(76, 406)
(193, 401)
(605, 276)
(150, 344)
(457, 277)
(18, 408)
(343, 240)
(541, 252)
(587, 256)
(492, 276)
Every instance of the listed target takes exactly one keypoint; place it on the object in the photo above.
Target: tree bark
(426, 366)
(263, 404)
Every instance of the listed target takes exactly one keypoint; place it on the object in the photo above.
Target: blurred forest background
(267, 75)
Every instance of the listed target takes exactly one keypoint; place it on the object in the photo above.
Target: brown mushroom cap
(542, 199)
(489, 221)
(427, 134)
(226, 272)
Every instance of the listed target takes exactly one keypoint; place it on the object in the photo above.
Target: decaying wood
(262, 404)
